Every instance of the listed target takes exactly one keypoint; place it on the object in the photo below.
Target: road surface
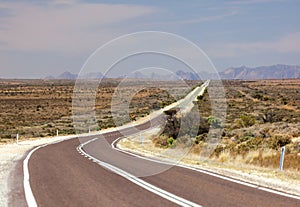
(61, 176)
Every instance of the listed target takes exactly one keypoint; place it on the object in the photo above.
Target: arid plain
(262, 116)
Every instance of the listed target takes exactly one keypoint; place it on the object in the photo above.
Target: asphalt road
(60, 176)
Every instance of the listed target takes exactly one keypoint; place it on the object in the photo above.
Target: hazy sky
(40, 39)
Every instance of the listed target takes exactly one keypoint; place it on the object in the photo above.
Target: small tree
(214, 122)
(173, 123)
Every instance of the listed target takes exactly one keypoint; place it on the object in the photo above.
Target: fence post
(282, 158)
(17, 138)
(57, 132)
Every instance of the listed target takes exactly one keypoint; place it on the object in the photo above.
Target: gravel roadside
(10, 161)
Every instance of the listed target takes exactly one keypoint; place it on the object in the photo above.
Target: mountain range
(262, 72)
(279, 71)
(71, 76)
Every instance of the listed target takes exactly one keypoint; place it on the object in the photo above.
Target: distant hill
(243, 73)
(67, 75)
(71, 76)
(247, 73)
(262, 72)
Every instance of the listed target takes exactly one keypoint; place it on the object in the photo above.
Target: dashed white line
(158, 191)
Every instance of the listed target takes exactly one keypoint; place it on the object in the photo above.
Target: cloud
(254, 1)
(64, 26)
(286, 44)
(208, 18)
(68, 2)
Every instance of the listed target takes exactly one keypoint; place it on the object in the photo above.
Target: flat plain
(38, 108)
(262, 116)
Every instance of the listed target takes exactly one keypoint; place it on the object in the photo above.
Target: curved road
(61, 176)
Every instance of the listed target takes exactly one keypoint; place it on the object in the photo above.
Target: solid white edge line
(31, 202)
(29, 197)
(206, 171)
(211, 174)
(158, 191)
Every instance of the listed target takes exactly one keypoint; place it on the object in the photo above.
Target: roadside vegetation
(262, 116)
(37, 108)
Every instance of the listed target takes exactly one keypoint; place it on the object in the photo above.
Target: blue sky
(40, 39)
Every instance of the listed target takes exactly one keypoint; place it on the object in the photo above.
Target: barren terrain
(38, 108)
(261, 116)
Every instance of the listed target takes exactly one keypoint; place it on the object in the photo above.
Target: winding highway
(88, 171)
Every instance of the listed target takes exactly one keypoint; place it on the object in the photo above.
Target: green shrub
(171, 141)
(214, 122)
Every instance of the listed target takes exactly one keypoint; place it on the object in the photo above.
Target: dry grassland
(37, 108)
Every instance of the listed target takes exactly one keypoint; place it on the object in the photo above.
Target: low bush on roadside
(278, 141)
(160, 141)
(245, 120)
(170, 141)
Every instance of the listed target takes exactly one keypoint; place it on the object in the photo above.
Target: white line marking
(202, 170)
(29, 197)
(181, 201)
(158, 191)
(31, 202)
(209, 173)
